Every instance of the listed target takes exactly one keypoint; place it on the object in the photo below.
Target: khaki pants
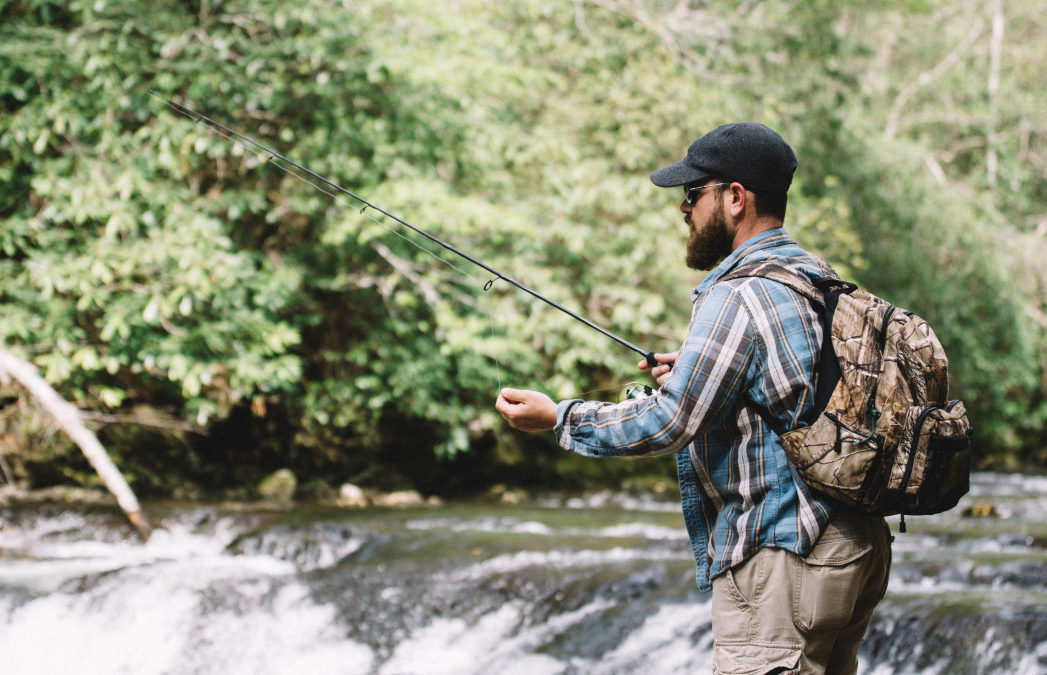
(780, 613)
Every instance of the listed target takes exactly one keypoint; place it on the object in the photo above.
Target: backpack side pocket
(932, 470)
(838, 458)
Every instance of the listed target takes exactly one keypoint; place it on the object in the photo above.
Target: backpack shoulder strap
(824, 293)
(777, 272)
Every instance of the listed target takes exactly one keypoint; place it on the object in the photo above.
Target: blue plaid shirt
(749, 339)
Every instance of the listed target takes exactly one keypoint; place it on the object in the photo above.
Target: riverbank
(351, 496)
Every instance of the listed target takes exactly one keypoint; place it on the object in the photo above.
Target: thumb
(510, 394)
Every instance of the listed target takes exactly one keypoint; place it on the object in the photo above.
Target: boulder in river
(279, 486)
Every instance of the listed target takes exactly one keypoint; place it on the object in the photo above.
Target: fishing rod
(226, 131)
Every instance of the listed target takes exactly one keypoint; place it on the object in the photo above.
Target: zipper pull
(875, 415)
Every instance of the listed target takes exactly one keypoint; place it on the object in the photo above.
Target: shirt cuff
(563, 409)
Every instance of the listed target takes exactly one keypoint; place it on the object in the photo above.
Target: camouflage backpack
(882, 437)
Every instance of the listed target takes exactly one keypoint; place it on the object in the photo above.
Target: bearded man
(794, 575)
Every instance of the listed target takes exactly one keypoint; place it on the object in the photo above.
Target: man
(794, 575)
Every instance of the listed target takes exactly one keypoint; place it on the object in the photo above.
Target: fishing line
(274, 161)
(363, 212)
(255, 146)
(626, 390)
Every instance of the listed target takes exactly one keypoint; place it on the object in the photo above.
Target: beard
(710, 242)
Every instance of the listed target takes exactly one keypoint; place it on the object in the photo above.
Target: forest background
(216, 318)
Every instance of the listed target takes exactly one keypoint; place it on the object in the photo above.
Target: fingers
(508, 400)
(664, 367)
(526, 410)
(510, 396)
(669, 359)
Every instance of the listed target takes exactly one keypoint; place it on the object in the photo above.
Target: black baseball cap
(745, 152)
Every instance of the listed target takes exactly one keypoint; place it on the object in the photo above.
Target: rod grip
(651, 361)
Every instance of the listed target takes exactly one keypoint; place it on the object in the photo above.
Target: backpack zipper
(838, 422)
(873, 411)
(883, 328)
(910, 464)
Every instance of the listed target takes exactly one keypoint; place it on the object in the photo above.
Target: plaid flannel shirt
(749, 339)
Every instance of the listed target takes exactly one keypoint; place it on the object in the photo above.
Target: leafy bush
(149, 264)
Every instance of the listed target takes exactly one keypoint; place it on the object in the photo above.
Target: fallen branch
(68, 418)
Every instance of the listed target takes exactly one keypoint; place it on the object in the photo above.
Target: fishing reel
(637, 390)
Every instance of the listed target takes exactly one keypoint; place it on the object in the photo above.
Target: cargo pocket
(755, 659)
(827, 586)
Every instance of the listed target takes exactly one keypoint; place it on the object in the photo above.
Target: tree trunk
(68, 417)
(995, 56)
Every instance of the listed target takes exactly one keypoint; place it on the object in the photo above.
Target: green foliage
(146, 261)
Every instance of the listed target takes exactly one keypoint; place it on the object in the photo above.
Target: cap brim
(678, 174)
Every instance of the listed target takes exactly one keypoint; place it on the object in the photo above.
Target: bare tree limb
(995, 52)
(68, 418)
(429, 292)
(928, 76)
(153, 421)
(700, 25)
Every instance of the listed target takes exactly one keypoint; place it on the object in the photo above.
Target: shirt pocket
(829, 583)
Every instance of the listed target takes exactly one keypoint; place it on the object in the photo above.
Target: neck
(749, 228)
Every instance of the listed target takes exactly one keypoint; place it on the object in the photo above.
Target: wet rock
(67, 495)
(351, 497)
(399, 500)
(506, 495)
(308, 547)
(279, 486)
(986, 510)
(10, 494)
(1016, 573)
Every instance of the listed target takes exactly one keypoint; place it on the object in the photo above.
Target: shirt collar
(761, 242)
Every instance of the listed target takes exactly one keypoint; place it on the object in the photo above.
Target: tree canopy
(217, 316)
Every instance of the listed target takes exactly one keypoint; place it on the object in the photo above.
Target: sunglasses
(691, 194)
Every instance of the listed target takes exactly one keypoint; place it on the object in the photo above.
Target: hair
(767, 203)
(772, 204)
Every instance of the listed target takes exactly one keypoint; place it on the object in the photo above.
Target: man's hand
(526, 410)
(660, 372)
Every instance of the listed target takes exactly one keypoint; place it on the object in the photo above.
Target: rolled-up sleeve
(711, 371)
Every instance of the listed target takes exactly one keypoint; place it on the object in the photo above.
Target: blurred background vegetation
(215, 318)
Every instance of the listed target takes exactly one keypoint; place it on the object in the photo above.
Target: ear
(736, 199)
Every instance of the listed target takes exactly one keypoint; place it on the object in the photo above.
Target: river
(602, 584)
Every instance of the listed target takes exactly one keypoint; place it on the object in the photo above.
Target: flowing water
(603, 584)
